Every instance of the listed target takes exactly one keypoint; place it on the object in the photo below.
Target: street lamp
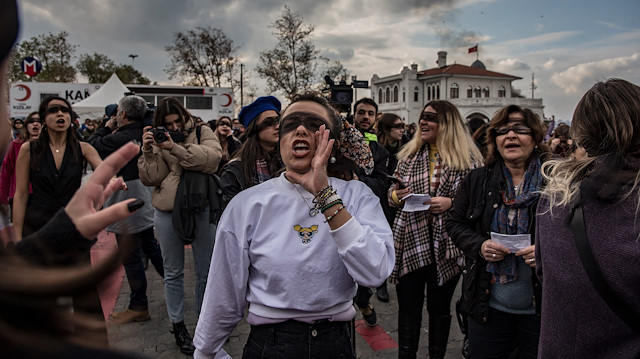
(133, 59)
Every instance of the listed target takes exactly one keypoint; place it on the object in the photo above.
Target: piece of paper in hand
(514, 242)
(414, 202)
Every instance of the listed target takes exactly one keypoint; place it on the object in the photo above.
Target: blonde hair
(606, 122)
(455, 145)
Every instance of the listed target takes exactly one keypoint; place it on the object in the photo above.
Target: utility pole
(355, 95)
(533, 85)
(133, 59)
(241, 86)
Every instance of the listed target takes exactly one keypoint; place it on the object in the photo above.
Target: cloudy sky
(567, 44)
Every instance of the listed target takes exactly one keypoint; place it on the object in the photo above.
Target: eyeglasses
(55, 109)
(399, 126)
(429, 116)
(224, 123)
(519, 129)
(311, 123)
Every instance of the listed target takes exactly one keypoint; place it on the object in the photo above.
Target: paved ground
(154, 340)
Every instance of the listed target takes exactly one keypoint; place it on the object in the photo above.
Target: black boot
(382, 293)
(438, 336)
(408, 337)
(183, 339)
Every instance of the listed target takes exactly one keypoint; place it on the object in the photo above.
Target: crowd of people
(540, 224)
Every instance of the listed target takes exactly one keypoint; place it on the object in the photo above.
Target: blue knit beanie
(253, 110)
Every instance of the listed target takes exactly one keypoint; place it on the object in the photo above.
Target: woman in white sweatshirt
(295, 247)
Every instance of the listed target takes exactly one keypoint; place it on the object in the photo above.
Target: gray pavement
(153, 339)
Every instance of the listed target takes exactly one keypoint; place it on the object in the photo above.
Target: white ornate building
(476, 91)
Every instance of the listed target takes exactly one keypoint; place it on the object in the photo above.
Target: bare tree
(291, 66)
(204, 56)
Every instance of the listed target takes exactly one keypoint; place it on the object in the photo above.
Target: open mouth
(512, 146)
(60, 121)
(300, 148)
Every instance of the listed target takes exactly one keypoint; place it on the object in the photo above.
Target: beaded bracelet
(331, 205)
(325, 192)
(334, 214)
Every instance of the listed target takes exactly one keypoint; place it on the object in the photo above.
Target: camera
(160, 135)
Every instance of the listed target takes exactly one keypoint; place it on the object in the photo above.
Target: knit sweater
(576, 321)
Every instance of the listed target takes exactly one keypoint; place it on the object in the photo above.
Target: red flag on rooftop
(473, 49)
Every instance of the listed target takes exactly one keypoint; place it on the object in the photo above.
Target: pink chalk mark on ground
(376, 337)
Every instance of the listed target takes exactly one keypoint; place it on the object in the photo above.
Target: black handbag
(579, 229)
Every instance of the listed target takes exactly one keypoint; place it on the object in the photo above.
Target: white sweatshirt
(270, 253)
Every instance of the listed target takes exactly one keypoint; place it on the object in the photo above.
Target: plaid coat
(419, 237)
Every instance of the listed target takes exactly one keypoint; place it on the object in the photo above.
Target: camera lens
(159, 136)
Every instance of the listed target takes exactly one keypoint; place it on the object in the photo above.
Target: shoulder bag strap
(622, 310)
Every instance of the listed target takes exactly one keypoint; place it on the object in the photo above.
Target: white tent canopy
(93, 106)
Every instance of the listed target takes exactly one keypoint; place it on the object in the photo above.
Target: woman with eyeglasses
(257, 160)
(29, 132)
(230, 145)
(293, 249)
(52, 164)
(184, 151)
(492, 222)
(433, 163)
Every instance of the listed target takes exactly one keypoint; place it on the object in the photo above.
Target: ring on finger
(493, 255)
(532, 260)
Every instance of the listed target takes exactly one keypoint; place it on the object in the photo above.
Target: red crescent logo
(228, 98)
(27, 90)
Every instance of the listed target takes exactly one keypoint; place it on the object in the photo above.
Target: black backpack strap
(579, 229)
(198, 133)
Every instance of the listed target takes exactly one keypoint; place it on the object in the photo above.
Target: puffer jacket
(163, 169)
(469, 225)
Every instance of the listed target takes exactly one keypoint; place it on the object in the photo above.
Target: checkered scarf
(262, 171)
(421, 237)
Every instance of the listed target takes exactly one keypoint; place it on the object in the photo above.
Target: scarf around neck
(512, 217)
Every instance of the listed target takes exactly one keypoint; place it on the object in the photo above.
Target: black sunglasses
(224, 123)
(399, 125)
(270, 121)
(519, 129)
(311, 123)
(55, 109)
(429, 116)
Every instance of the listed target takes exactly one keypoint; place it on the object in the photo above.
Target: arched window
(437, 92)
(416, 91)
(502, 92)
(404, 95)
(380, 99)
(395, 93)
(486, 92)
(387, 95)
(469, 92)
(454, 91)
(428, 93)
(477, 92)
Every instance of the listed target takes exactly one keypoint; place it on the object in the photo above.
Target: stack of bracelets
(325, 199)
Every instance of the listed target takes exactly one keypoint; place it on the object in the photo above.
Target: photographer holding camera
(174, 146)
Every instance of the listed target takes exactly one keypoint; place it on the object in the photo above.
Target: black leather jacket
(469, 225)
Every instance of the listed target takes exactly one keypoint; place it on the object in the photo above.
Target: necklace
(312, 210)
(56, 149)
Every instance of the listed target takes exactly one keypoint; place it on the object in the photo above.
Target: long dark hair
(251, 151)
(171, 106)
(385, 124)
(40, 145)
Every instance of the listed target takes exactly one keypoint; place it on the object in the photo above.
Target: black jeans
(411, 293)
(298, 340)
(133, 266)
(503, 332)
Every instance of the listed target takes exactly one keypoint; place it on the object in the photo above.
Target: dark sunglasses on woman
(55, 109)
